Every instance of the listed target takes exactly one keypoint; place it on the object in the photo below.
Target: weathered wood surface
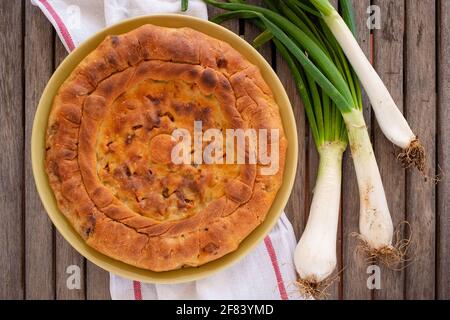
(34, 257)
(420, 109)
(388, 61)
(39, 232)
(443, 161)
(12, 149)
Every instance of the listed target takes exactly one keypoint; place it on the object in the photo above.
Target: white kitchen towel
(77, 20)
(268, 271)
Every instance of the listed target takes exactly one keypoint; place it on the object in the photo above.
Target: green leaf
(343, 104)
(262, 38)
(184, 5)
(322, 63)
(221, 18)
(324, 6)
(347, 13)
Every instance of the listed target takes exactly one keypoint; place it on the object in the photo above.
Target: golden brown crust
(109, 144)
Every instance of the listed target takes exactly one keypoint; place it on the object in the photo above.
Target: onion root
(413, 156)
(394, 256)
(314, 289)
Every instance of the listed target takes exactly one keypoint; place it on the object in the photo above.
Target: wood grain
(11, 155)
(443, 143)
(251, 32)
(354, 274)
(388, 61)
(97, 283)
(420, 109)
(232, 25)
(65, 255)
(297, 207)
(39, 253)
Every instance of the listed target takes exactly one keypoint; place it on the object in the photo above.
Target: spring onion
(184, 5)
(325, 63)
(315, 255)
(391, 120)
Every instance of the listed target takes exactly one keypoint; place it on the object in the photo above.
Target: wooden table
(410, 51)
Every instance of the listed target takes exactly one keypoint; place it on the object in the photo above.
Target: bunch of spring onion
(300, 30)
(389, 117)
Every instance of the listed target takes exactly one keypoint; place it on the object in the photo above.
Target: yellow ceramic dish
(38, 150)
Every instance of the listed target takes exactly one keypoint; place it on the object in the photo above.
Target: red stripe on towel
(61, 26)
(137, 290)
(276, 268)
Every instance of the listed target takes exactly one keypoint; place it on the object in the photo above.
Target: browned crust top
(76, 135)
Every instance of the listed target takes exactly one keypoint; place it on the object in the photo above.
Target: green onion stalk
(184, 5)
(315, 255)
(391, 120)
(298, 28)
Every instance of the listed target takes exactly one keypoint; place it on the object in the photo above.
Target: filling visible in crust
(135, 142)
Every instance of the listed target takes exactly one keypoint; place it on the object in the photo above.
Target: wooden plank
(298, 205)
(97, 283)
(11, 157)
(66, 258)
(40, 277)
(388, 61)
(443, 143)
(232, 25)
(251, 32)
(65, 255)
(420, 109)
(354, 274)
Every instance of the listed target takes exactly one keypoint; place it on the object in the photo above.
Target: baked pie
(110, 147)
